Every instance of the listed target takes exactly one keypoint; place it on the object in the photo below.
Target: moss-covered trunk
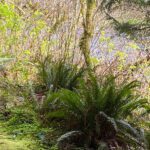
(88, 31)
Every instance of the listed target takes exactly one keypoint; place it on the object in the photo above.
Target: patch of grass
(9, 142)
(22, 131)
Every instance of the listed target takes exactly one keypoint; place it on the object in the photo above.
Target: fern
(104, 98)
(59, 74)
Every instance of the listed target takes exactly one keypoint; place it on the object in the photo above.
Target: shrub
(60, 73)
(99, 109)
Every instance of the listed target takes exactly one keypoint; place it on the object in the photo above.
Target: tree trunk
(88, 31)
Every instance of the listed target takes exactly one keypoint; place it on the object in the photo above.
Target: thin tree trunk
(88, 31)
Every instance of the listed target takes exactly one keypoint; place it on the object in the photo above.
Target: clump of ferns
(59, 73)
(100, 109)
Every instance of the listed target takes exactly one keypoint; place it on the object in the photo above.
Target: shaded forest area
(74, 74)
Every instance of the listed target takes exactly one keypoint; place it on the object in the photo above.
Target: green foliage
(61, 73)
(79, 108)
(8, 18)
(21, 116)
(94, 105)
(131, 26)
(22, 124)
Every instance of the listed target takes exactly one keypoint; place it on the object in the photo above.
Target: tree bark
(88, 31)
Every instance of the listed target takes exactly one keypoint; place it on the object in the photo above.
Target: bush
(60, 73)
(99, 109)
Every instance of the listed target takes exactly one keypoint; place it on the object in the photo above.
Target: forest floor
(9, 142)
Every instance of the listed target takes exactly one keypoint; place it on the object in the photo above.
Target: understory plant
(59, 73)
(100, 109)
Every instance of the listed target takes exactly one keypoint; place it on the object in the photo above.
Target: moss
(10, 142)
(88, 31)
(7, 142)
